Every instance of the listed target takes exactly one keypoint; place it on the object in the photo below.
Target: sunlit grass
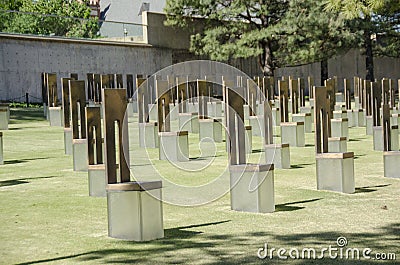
(46, 215)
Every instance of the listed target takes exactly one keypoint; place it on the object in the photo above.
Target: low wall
(23, 59)
(346, 66)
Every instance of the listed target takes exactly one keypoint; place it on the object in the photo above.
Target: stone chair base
(359, 116)
(278, 154)
(257, 125)
(80, 154)
(340, 128)
(339, 96)
(97, 180)
(391, 162)
(335, 172)
(135, 211)
(132, 108)
(174, 146)
(189, 122)
(276, 117)
(56, 116)
(395, 119)
(248, 139)
(308, 109)
(340, 114)
(211, 128)
(148, 135)
(192, 107)
(68, 141)
(214, 109)
(293, 133)
(337, 145)
(3, 119)
(153, 112)
(306, 119)
(369, 125)
(378, 138)
(252, 188)
(173, 111)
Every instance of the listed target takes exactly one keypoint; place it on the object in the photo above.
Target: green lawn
(46, 215)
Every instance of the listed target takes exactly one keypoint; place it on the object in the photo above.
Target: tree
(54, 17)
(313, 34)
(5, 18)
(379, 23)
(234, 29)
(278, 32)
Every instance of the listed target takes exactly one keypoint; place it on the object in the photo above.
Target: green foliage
(379, 23)
(60, 18)
(278, 32)
(6, 18)
(387, 29)
(234, 29)
(312, 34)
(23, 105)
(10, 4)
(380, 18)
(363, 8)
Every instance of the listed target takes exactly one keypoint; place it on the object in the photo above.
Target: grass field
(46, 215)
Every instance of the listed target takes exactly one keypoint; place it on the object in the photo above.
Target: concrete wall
(159, 35)
(346, 66)
(23, 59)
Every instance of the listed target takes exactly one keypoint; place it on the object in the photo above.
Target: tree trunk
(324, 71)
(265, 59)
(369, 57)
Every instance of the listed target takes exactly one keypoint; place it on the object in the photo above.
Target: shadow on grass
(201, 158)
(286, 207)
(256, 151)
(300, 165)
(141, 165)
(14, 182)
(180, 232)
(358, 156)
(370, 188)
(19, 115)
(22, 128)
(190, 247)
(19, 161)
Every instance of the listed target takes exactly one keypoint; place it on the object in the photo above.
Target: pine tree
(234, 29)
(313, 34)
(277, 32)
(379, 24)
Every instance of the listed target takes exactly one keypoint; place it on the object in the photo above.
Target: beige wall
(159, 35)
(24, 58)
(344, 66)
